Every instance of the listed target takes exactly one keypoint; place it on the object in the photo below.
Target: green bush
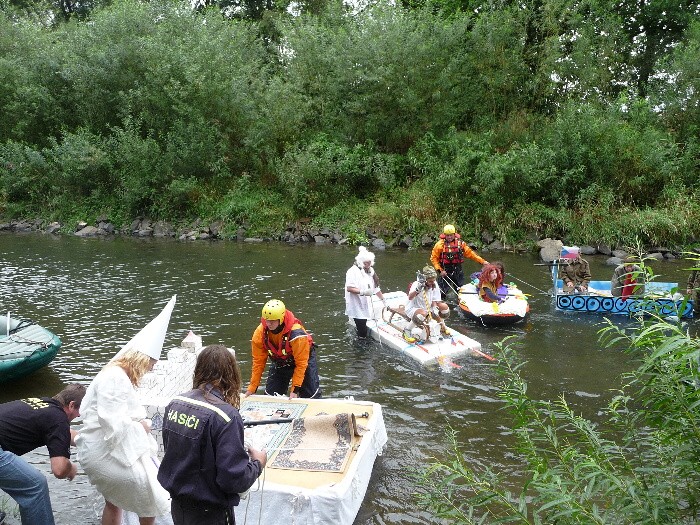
(261, 210)
(315, 175)
(24, 174)
(637, 466)
(594, 144)
(80, 165)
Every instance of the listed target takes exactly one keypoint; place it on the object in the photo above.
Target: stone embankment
(303, 232)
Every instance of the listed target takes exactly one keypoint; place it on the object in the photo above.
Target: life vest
(482, 291)
(291, 330)
(452, 252)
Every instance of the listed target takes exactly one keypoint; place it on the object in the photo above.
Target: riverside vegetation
(637, 466)
(545, 118)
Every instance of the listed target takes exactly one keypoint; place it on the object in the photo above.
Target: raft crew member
(281, 337)
(628, 279)
(447, 257)
(575, 271)
(361, 283)
(424, 302)
(503, 289)
(490, 281)
(31, 423)
(206, 465)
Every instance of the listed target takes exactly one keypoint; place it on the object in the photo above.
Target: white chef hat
(150, 339)
(364, 255)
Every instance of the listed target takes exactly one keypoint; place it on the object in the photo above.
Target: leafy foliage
(517, 117)
(316, 174)
(639, 466)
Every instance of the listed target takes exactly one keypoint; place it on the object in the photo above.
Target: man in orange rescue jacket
(447, 257)
(281, 337)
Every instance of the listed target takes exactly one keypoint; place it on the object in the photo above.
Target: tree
(678, 90)
(653, 29)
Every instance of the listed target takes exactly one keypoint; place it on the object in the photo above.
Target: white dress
(357, 306)
(113, 448)
(423, 300)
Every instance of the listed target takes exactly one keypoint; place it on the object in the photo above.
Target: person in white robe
(425, 303)
(361, 283)
(115, 446)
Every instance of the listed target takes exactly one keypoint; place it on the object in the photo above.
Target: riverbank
(304, 231)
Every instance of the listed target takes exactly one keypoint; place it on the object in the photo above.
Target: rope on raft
(22, 340)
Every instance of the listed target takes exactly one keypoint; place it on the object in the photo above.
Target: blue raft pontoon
(660, 298)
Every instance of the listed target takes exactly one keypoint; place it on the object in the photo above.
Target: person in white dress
(115, 445)
(361, 283)
(425, 301)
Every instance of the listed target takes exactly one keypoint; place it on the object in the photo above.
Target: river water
(95, 294)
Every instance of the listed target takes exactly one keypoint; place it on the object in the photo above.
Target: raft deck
(388, 330)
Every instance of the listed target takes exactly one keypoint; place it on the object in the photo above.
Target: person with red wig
(490, 280)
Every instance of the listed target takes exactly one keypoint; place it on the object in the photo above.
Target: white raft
(513, 309)
(291, 489)
(434, 350)
(299, 489)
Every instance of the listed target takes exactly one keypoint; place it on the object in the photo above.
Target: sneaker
(408, 338)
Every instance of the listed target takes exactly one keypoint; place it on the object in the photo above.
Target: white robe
(358, 306)
(423, 300)
(113, 448)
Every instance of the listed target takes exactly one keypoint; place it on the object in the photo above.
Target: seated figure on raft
(425, 303)
(575, 271)
(490, 280)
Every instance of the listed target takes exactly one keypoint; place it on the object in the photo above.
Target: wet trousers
(280, 375)
(454, 279)
(190, 512)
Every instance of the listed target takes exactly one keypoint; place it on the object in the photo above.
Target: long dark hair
(484, 276)
(216, 366)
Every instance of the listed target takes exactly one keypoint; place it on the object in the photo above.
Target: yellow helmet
(449, 229)
(274, 310)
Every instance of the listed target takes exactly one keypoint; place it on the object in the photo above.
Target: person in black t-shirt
(30, 423)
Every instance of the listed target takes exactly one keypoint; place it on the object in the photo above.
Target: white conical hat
(150, 339)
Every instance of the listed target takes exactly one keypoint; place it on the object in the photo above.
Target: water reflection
(96, 293)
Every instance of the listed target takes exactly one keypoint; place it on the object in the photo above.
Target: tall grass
(639, 466)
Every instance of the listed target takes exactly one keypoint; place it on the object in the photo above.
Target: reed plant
(638, 465)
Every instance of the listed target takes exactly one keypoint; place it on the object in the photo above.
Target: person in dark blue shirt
(206, 464)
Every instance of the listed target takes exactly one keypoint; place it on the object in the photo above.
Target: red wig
(484, 275)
